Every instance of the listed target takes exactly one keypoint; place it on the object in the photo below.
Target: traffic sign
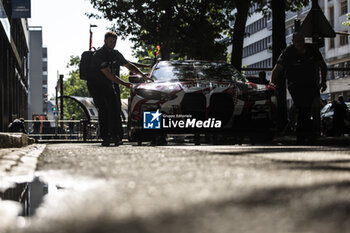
(316, 24)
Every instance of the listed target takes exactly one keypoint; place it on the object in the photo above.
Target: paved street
(186, 188)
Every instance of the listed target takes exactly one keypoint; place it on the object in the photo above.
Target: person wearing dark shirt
(104, 88)
(36, 125)
(301, 63)
(17, 126)
(340, 109)
(36, 128)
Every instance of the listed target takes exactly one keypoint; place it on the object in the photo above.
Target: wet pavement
(185, 188)
(18, 165)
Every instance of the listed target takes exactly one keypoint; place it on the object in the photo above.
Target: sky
(65, 29)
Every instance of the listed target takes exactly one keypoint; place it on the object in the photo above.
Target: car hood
(191, 86)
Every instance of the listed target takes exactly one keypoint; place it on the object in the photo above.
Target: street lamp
(90, 41)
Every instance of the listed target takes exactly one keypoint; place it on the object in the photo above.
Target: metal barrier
(72, 130)
(79, 130)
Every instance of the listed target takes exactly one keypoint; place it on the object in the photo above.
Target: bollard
(85, 129)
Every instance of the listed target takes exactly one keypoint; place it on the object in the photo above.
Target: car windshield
(192, 71)
(325, 108)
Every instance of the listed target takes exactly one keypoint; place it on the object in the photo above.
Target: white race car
(199, 97)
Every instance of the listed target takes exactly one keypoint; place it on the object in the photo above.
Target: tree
(239, 32)
(205, 21)
(74, 86)
(147, 54)
(124, 91)
(278, 45)
(189, 28)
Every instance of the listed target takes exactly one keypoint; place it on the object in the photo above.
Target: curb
(18, 165)
(8, 140)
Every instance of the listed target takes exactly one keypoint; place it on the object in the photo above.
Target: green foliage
(228, 57)
(74, 86)
(146, 54)
(347, 22)
(124, 91)
(189, 28)
(72, 107)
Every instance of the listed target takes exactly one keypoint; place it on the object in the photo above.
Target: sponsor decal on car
(157, 120)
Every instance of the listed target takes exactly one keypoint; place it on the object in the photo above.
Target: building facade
(14, 46)
(37, 98)
(337, 49)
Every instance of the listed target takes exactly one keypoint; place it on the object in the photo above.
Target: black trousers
(303, 97)
(107, 101)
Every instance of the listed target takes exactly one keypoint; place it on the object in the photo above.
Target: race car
(200, 97)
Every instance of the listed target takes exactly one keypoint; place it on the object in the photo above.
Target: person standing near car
(104, 88)
(301, 63)
(339, 112)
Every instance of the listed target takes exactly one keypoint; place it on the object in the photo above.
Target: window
(341, 72)
(253, 8)
(331, 16)
(330, 74)
(331, 43)
(343, 40)
(261, 64)
(256, 26)
(256, 47)
(44, 52)
(347, 65)
(343, 7)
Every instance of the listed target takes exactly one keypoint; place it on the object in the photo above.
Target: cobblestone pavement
(186, 188)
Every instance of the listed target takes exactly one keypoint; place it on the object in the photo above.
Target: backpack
(85, 65)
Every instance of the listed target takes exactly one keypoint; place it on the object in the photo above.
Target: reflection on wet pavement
(51, 195)
(28, 195)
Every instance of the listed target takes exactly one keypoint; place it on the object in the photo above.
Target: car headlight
(256, 96)
(154, 95)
